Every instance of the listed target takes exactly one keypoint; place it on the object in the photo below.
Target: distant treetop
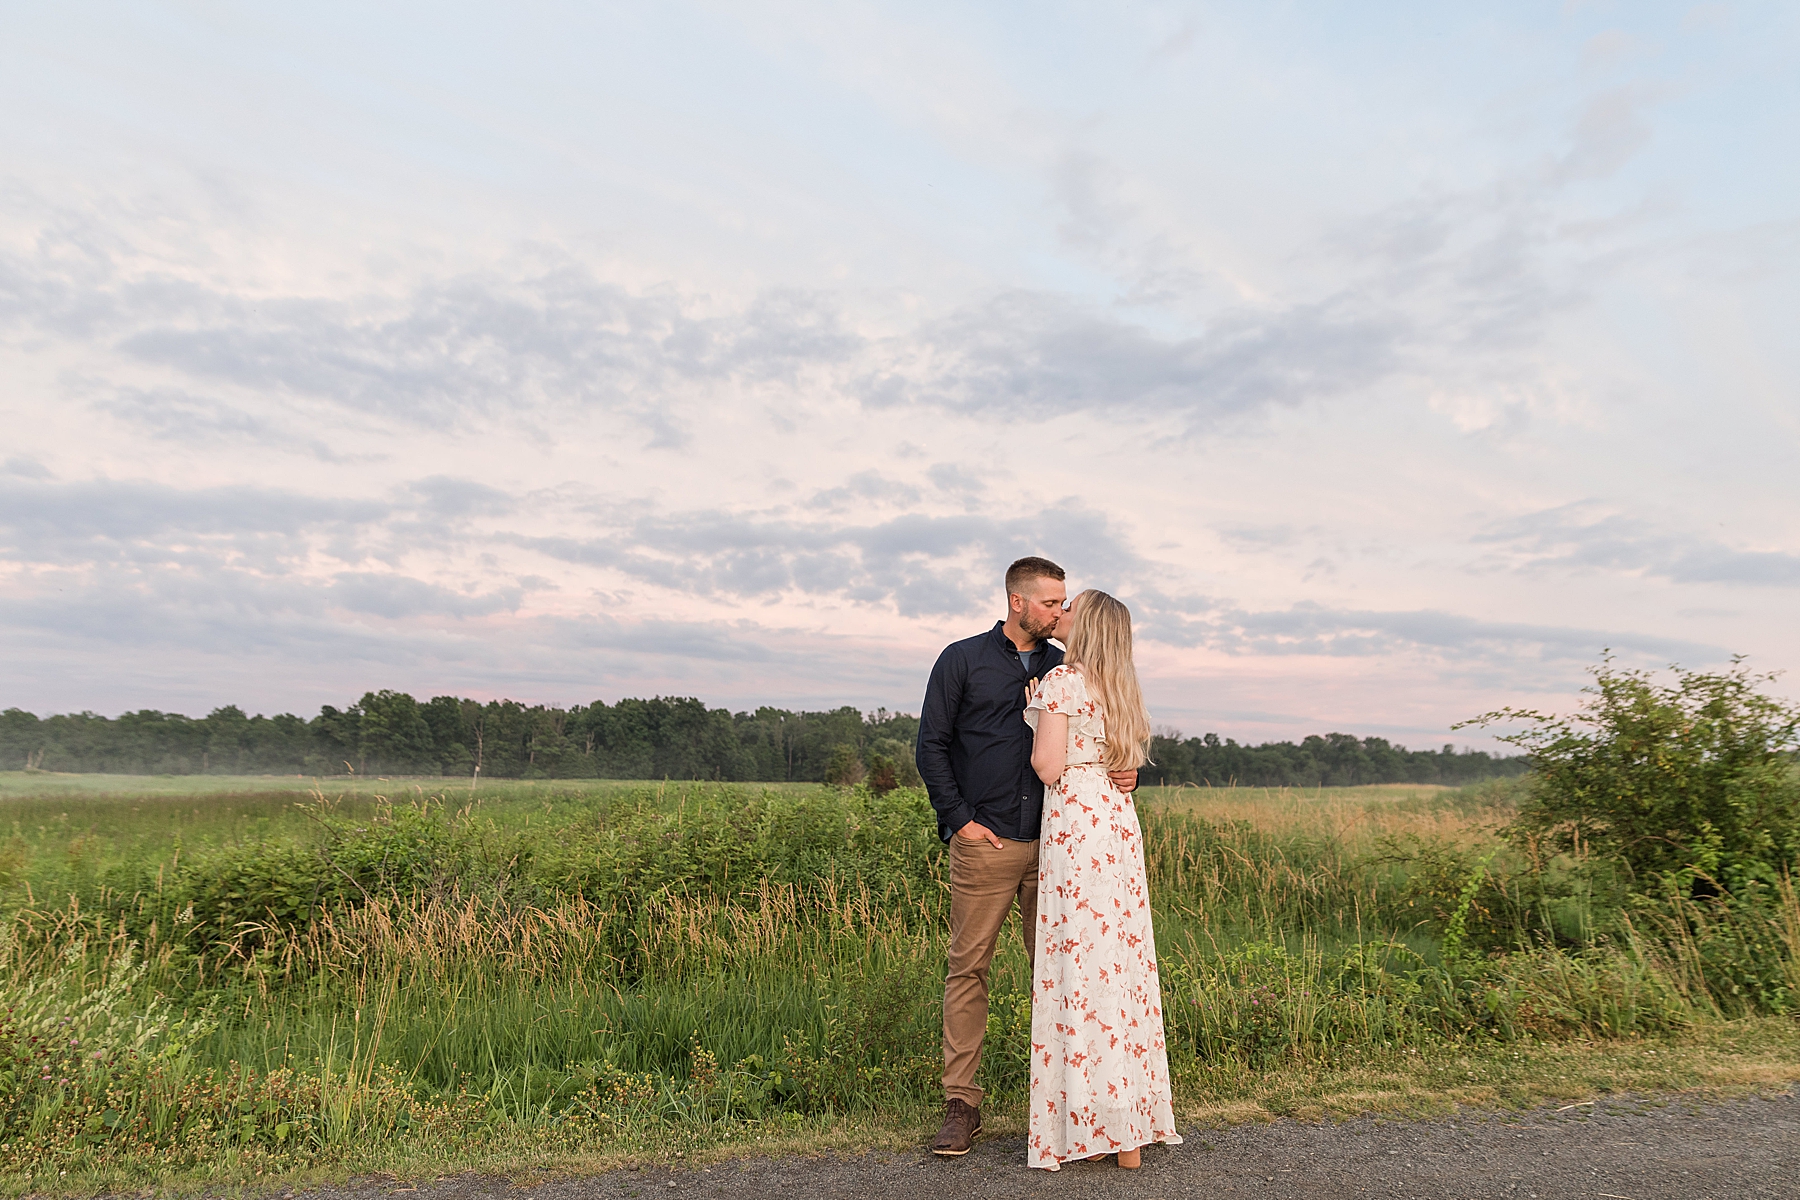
(391, 733)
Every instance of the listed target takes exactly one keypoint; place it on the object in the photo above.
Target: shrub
(883, 776)
(1692, 782)
(846, 767)
(900, 756)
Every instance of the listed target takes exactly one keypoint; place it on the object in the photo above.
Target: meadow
(212, 978)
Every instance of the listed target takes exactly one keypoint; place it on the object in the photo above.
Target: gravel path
(1618, 1149)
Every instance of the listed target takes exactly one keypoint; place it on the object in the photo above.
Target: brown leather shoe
(961, 1124)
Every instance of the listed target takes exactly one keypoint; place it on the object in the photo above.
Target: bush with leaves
(846, 766)
(1691, 782)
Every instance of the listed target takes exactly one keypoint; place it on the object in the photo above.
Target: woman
(1099, 1065)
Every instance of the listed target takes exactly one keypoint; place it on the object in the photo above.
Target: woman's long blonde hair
(1100, 644)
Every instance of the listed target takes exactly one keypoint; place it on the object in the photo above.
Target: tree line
(1331, 760)
(391, 733)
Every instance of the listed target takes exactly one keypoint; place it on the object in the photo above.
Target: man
(975, 757)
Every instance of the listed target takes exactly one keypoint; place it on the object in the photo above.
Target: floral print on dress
(1099, 1061)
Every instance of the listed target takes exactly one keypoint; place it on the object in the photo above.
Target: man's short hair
(1029, 568)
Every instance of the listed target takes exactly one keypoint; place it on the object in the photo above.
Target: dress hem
(1173, 1139)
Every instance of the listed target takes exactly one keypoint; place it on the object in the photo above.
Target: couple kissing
(1030, 755)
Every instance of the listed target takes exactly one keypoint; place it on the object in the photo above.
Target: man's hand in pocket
(975, 831)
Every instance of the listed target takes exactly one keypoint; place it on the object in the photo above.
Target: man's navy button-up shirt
(974, 746)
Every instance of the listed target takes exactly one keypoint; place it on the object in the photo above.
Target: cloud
(1447, 286)
(551, 336)
(219, 576)
(862, 489)
(174, 415)
(24, 468)
(241, 527)
(242, 613)
(1609, 130)
(1312, 629)
(178, 638)
(955, 479)
(438, 353)
(1257, 538)
(1574, 536)
(233, 571)
(399, 596)
(460, 347)
(734, 642)
(112, 607)
(101, 519)
(926, 565)
(1027, 352)
(446, 496)
(862, 542)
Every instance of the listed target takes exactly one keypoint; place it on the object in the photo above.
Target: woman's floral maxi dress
(1099, 1064)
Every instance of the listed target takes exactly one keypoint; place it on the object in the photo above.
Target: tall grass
(613, 959)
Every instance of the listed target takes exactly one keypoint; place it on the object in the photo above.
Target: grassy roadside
(1733, 1059)
(570, 978)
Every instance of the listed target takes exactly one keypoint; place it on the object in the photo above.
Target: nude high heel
(1131, 1160)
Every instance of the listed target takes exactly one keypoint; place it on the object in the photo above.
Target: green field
(256, 976)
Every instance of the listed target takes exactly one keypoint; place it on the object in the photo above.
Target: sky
(1393, 362)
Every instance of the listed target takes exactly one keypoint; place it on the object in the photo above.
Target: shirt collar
(1006, 644)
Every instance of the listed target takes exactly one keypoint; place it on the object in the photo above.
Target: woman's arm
(1050, 748)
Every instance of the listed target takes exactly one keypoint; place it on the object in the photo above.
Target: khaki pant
(984, 882)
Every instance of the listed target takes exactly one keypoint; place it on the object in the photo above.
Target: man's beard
(1028, 625)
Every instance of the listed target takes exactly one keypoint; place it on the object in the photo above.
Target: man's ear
(1015, 602)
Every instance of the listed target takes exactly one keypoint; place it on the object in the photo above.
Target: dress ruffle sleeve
(1057, 692)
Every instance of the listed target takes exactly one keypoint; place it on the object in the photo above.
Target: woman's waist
(1075, 766)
